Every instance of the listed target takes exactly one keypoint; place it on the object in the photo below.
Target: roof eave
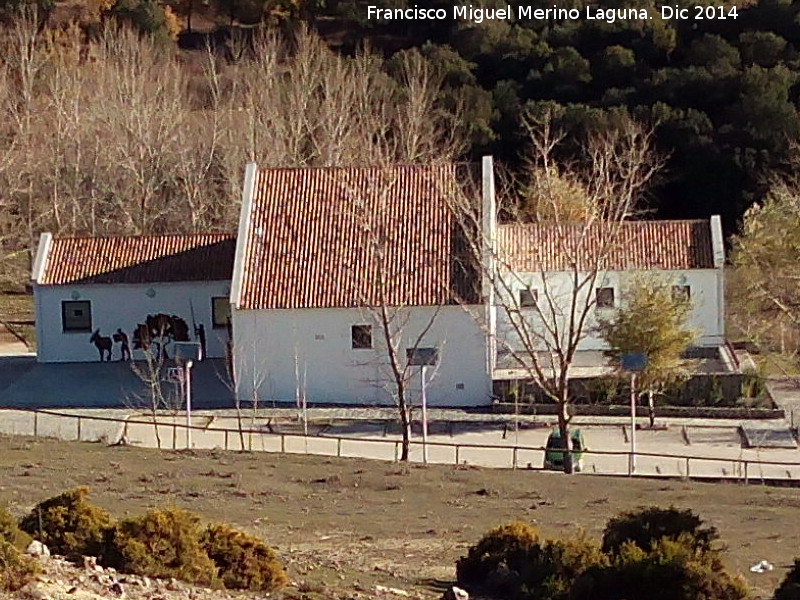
(245, 217)
(717, 242)
(42, 254)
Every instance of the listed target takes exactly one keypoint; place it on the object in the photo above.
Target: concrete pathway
(694, 451)
(786, 393)
(24, 383)
(699, 447)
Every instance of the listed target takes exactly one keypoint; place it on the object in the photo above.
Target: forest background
(106, 131)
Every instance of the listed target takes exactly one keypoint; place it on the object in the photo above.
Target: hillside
(344, 526)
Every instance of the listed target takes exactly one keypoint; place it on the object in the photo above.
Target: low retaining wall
(615, 410)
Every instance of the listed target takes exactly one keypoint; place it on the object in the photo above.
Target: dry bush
(16, 569)
(645, 526)
(162, 543)
(69, 525)
(244, 561)
(653, 554)
(508, 544)
(673, 569)
(511, 562)
(790, 586)
(10, 531)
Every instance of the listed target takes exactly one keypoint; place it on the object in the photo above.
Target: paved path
(696, 451)
(714, 444)
(786, 393)
(24, 383)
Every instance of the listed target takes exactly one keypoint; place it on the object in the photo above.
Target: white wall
(122, 306)
(267, 342)
(707, 314)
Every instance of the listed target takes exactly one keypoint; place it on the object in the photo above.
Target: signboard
(185, 351)
(634, 363)
(422, 357)
(175, 374)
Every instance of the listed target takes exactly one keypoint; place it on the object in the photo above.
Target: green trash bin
(554, 454)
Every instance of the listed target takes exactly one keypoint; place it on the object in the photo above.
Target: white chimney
(488, 257)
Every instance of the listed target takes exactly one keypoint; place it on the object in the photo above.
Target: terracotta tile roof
(315, 236)
(640, 245)
(140, 259)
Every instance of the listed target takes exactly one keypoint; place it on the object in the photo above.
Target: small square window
(528, 297)
(76, 315)
(361, 336)
(681, 293)
(220, 311)
(605, 297)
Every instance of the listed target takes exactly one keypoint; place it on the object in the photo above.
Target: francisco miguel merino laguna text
(609, 15)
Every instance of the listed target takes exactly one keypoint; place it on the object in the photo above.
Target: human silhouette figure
(125, 349)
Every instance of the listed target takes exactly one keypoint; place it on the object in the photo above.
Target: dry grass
(346, 524)
(17, 312)
(16, 307)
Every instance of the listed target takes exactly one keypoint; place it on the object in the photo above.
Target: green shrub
(244, 561)
(16, 569)
(10, 531)
(790, 586)
(603, 390)
(646, 526)
(511, 562)
(161, 543)
(508, 544)
(68, 524)
(672, 570)
(716, 395)
(753, 384)
(553, 567)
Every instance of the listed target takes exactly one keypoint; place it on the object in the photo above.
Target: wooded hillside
(104, 133)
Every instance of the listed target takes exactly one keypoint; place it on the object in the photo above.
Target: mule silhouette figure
(102, 343)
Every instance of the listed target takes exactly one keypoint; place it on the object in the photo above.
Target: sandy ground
(343, 526)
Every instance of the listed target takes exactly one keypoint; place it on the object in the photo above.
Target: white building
(332, 267)
(335, 266)
(111, 286)
(541, 266)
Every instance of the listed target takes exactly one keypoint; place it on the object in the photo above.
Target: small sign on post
(423, 357)
(186, 354)
(175, 374)
(633, 363)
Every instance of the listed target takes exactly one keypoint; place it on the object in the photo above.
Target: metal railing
(732, 352)
(612, 462)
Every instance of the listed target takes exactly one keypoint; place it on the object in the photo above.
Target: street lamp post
(187, 375)
(633, 421)
(423, 358)
(424, 418)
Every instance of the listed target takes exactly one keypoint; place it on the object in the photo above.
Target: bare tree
(115, 135)
(152, 373)
(23, 65)
(541, 278)
(197, 147)
(144, 99)
(764, 298)
(388, 289)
